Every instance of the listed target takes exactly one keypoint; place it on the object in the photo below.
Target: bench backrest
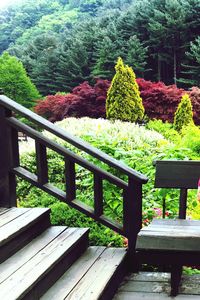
(178, 174)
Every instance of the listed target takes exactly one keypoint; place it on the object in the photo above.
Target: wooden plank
(16, 261)
(151, 296)
(146, 287)
(174, 222)
(17, 225)
(91, 286)
(170, 228)
(24, 279)
(177, 174)
(149, 276)
(176, 233)
(12, 214)
(154, 285)
(168, 242)
(3, 210)
(71, 278)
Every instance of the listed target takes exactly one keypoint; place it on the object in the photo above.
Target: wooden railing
(10, 167)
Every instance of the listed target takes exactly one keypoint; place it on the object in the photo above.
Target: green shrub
(164, 128)
(123, 98)
(15, 82)
(62, 214)
(131, 144)
(191, 138)
(183, 115)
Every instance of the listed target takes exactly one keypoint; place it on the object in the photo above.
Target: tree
(191, 69)
(123, 101)
(183, 114)
(40, 58)
(136, 55)
(108, 49)
(160, 101)
(85, 100)
(15, 82)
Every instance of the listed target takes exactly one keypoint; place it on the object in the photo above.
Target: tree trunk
(159, 68)
(175, 71)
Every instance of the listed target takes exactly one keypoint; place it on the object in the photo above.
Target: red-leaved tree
(84, 100)
(55, 107)
(160, 101)
(194, 94)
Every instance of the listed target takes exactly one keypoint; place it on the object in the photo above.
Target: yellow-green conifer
(123, 100)
(183, 115)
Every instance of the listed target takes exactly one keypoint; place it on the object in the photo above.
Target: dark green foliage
(160, 31)
(191, 68)
(40, 58)
(15, 82)
(123, 100)
(136, 55)
(183, 115)
(20, 17)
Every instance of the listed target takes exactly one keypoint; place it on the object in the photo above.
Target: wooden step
(18, 226)
(31, 271)
(96, 275)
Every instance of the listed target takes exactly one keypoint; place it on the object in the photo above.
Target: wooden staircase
(40, 261)
(34, 256)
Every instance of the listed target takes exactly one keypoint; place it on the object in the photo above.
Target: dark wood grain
(41, 160)
(98, 195)
(70, 175)
(177, 174)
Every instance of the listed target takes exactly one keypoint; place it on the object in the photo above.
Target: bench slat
(180, 235)
(177, 174)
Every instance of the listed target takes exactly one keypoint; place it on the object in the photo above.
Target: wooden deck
(156, 286)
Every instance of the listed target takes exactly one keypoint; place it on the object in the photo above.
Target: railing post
(183, 204)
(8, 159)
(132, 219)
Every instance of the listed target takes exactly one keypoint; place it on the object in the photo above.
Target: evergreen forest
(62, 43)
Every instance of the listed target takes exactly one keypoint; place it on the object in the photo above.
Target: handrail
(12, 105)
(10, 168)
(65, 152)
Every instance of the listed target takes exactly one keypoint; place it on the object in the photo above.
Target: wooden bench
(173, 242)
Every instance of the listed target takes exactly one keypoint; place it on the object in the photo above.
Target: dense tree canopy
(65, 42)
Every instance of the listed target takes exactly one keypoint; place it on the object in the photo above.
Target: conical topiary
(123, 99)
(183, 115)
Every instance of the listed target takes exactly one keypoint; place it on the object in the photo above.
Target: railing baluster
(132, 216)
(98, 195)
(70, 175)
(42, 166)
(182, 203)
